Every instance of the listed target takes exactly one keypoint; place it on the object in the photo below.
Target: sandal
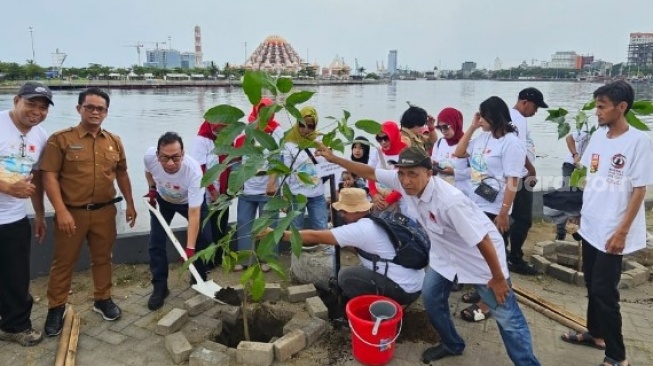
(471, 298)
(583, 339)
(473, 313)
(611, 362)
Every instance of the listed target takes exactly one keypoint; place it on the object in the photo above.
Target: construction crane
(140, 45)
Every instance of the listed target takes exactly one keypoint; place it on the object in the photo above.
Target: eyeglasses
(443, 128)
(382, 138)
(91, 108)
(23, 146)
(165, 158)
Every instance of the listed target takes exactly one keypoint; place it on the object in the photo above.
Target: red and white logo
(618, 161)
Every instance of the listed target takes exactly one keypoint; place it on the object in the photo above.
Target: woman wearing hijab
(391, 145)
(256, 190)
(450, 168)
(305, 161)
(360, 153)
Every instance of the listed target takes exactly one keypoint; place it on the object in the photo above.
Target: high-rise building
(564, 60)
(468, 68)
(392, 63)
(640, 49)
(162, 58)
(199, 63)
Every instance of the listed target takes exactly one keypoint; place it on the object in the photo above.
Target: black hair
(617, 92)
(413, 117)
(366, 149)
(495, 111)
(93, 91)
(169, 138)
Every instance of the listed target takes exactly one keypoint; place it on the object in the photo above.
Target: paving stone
(214, 346)
(297, 322)
(178, 347)
(314, 328)
(137, 332)
(289, 344)
(198, 329)
(569, 260)
(272, 292)
(230, 314)
(87, 342)
(626, 281)
(172, 322)
(301, 292)
(111, 337)
(213, 312)
(125, 320)
(639, 276)
(255, 353)
(197, 305)
(540, 263)
(316, 308)
(149, 320)
(139, 309)
(562, 273)
(206, 357)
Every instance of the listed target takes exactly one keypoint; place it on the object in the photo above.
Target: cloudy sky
(426, 33)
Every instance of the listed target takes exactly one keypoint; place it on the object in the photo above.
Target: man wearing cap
(79, 167)
(389, 279)
(464, 243)
(21, 143)
(528, 102)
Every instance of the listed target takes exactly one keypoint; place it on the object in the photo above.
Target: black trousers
(15, 299)
(522, 215)
(602, 274)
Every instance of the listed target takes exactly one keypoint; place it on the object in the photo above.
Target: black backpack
(409, 238)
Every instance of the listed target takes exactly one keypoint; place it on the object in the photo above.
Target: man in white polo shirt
(177, 181)
(464, 242)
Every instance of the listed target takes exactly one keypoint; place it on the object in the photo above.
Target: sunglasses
(443, 128)
(382, 138)
(307, 126)
(91, 108)
(165, 158)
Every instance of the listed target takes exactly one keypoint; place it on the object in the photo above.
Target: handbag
(486, 191)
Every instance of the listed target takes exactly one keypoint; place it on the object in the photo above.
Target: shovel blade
(208, 288)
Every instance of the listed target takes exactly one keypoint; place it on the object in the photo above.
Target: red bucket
(370, 349)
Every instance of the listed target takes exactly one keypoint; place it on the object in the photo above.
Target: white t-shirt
(443, 154)
(19, 156)
(258, 184)
(581, 138)
(524, 134)
(370, 237)
(614, 168)
(202, 152)
(499, 158)
(455, 226)
(303, 164)
(379, 160)
(182, 187)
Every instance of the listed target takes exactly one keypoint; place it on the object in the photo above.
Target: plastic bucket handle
(401, 322)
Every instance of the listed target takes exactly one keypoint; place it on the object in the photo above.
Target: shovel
(207, 288)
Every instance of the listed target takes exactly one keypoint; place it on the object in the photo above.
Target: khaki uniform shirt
(413, 139)
(86, 165)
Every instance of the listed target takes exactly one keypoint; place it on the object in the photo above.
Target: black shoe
(523, 268)
(436, 353)
(157, 298)
(54, 321)
(577, 236)
(108, 309)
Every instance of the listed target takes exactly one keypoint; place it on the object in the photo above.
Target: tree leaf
(265, 140)
(284, 84)
(636, 122)
(305, 178)
(563, 130)
(328, 137)
(556, 114)
(277, 267)
(278, 166)
(248, 274)
(370, 126)
(246, 171)
(300, 202)
(347, 115)
(295, 242)
(258, 286)
(293, 112)
(277, 204)
(589, 105)
(642, 107)
(212, 174)
(253, 86)
(337, 145)
(228, 134)
(224, 113)
(298, 98)
(260, 223)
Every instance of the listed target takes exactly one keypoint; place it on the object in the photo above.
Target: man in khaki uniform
(79, 167)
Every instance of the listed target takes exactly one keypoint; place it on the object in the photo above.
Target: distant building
(274, 55)
(392, 63)
(188, 60)
(199, 63)
(498, 64)
(564, 60)
(468, 68)
(582, 61)
(640, 49)
(161, 58)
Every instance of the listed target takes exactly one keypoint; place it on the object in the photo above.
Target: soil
(264, 322)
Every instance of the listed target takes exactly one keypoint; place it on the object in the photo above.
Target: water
(139, 117)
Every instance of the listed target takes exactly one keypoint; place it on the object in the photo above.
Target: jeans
(358, 280)
(158, 239)
(512, 324)
(318, 214)
(248, 206)
(16, 301)
(602, 273)
(522, 215)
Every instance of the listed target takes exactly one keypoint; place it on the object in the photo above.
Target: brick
(272, 292)
(206, 357)
(289, 344)
(548, 247)
(640, 276)
(197, 305)
(626, 281)
(230, 314)
(255, 353)
(540, 263)
(301, 292)
(87, 342)
(562, 273)
(316, 308)
(568, 260)
(213, 312)
(297, 322)
(213, 346)
(313, 329)
(111, 337)
(580, 279)
(201, 328)
(172, 322)
(178, 347)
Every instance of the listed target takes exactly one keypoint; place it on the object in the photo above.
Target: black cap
(533, 95)
(32, 89)
(411, 157)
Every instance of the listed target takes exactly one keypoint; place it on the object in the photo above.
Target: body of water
(139, 117)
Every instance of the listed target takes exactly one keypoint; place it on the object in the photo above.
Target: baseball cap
(32, 89)
(533, 95)
(412, 157)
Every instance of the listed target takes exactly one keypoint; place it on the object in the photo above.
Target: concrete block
(316, 308)
(172, 322)
(289, 344)
(562, 273)
(540, 263)
(230, 314)
(178, 347)
(197, 305)
(297, 322)
(206, 357)
(213, 346)
(272, 292)
(626, 281)
(255, 353)
(213, 312)
(566, 247)
(630, 264)
(640, 276)
(548, 247)
(201, 328)
(314, 328)
(580, 279)
(568, 260)
(301, 292)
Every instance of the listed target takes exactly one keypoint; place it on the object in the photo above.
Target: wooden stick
(62, 350)
(72, 345)
(550, 306)
(551, 315)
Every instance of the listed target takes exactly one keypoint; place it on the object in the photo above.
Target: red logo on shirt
(594, 163)
(432, 217)
(176, 187)
(618, 161)
(32, 148)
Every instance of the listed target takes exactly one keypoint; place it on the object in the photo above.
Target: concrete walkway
(132, 341)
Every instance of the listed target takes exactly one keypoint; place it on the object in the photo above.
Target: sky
(426, 33)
